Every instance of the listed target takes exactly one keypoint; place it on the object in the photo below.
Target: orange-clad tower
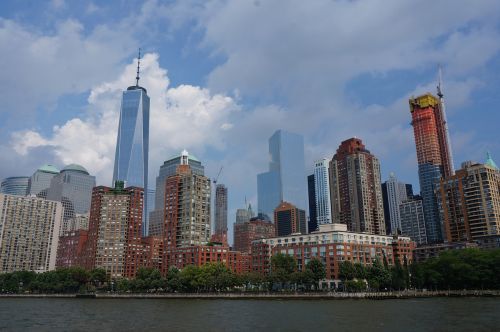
(433, 154)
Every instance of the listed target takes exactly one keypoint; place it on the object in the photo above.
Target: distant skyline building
(244, 215)
(132, 144)
(411, 216)
(470, 202)
(40, 180)
(187, 207)
(15, 185)
(312, 221)
(169, 167)
(286, 178)
(322, 191)
(73, 187)
(251, 230)
(29, 233)
(395, 193)
(356, 191)
(220, 223)
(288, 219)
(433, 155)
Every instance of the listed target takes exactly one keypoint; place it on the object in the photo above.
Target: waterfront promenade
(295, 296)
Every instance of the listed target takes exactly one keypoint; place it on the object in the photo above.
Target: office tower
(40, 180)
(220, 233)
(169, 167)
(393, 193)
(289, 219)
(356, 192)
(15, 185)
(29, 233)
(251, 230)
(411, 215)
(244, 215)
(150, 201)
(409, 190)
(286, 179)
(470, 202)
(187, 207)
(322, 192)
(433, 155)
(115, 230)
(79, 221)
(73, 187)
(132, 144)
(312, 222)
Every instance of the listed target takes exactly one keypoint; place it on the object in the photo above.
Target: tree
(318, 271)
(346, 270)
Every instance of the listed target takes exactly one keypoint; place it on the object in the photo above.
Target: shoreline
(269, 296)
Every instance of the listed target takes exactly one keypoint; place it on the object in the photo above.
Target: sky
(224, 75)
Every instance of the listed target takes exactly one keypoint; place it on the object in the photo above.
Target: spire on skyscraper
(138, 66)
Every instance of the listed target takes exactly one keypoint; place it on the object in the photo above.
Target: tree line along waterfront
(452, 270)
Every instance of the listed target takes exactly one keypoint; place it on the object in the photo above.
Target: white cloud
(181, 117)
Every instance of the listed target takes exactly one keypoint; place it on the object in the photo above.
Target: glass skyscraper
(40, 180)
(132, 145)
(15, 185)
(286, 178)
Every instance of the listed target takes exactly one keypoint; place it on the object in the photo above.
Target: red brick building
(199, 255)
(70, 248)
(254, 229)
(115, 231)
(332, 244)
(289, 219)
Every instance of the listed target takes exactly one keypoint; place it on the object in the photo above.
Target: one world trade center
(132, 145)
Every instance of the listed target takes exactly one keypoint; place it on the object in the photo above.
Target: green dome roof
(47, 168)
(490, 162)
(75, 168)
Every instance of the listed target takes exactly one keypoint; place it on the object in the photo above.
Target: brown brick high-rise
(355, 188)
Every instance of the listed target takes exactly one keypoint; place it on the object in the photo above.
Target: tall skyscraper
(470, 202)
(411, 215)
(73, 187)
(40, 180)
(322, 191)
(289, 219)
(15, 185)
(187, 207)
(220, 232)
(169, 167)
(433, 155)
(29, 233)
(132, 144)
(286, 178)
(114, 240)
(356, 192)
(395, 193)
(312, 222)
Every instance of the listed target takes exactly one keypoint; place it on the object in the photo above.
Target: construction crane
(218, 174)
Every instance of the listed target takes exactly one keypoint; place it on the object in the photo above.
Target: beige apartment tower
(29, 233)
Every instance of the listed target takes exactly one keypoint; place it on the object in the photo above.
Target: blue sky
(224, 75)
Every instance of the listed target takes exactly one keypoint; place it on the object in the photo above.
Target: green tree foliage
(317, 269)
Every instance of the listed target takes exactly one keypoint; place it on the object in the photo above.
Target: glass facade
(429, 176)
(40, 180)
(132, 145)
(322, 192)
(286, 179)
(15, 185)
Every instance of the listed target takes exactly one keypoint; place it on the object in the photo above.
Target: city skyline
(232, 111)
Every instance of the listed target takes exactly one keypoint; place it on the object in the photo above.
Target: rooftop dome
(47, 168)
(490, 162)
(75, 168)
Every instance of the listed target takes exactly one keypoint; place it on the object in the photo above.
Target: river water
(432, 314)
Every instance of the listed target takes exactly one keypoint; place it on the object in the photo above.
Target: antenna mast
(138, 65)
(445, 120)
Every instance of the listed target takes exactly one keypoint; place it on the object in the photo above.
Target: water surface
(433, 314)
